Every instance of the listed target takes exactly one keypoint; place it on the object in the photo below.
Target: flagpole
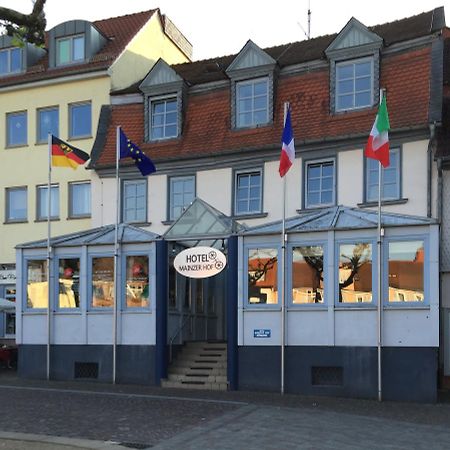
(49, 250)
(380, 294)
(116, 258)
(283, 270)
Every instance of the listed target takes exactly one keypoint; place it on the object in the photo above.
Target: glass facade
(102, 282)
(308, 274)
(262, 276)
(137, 282)
(69, 283)
(37, 284)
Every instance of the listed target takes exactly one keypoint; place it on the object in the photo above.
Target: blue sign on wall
(261, 333)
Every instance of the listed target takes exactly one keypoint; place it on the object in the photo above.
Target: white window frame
(8, 52)
(72, 135)
(10, 116)
(137, 219)
(43, 139)
(372, 162)
(8, 190)
(249, 173)
(163, 99)
(186, 200)
(321, 162)
(71, 200)
(353, 62)
(39, 204)
(252, 82)
(72, 59)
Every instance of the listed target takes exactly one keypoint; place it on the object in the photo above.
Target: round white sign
(200, 262)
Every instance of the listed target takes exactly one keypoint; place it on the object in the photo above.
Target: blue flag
(130, 150)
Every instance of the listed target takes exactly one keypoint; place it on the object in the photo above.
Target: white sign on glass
(200, 262)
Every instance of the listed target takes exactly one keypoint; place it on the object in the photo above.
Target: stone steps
(200, 365)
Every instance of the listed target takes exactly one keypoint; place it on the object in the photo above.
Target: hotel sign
(200, 262)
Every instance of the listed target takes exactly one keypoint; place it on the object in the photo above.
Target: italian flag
(378, 145)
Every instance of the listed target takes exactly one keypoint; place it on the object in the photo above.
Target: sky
(218, 28)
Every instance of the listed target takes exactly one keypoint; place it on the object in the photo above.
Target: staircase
(200, 365)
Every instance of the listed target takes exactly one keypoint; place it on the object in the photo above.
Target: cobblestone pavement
(41, 415)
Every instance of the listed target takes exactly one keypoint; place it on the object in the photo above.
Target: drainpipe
(429, 167)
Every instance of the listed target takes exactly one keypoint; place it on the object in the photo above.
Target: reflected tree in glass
(262, 276)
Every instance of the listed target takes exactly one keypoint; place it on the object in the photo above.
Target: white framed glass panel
(68, 283)
(406, 271)
(262, 287)
(10, 324)
(80, 199)
(137, 282)
(308, 274)
(163, 118)
(252, 102)
(42, 202)
(80, 120)
(16, 204)
(69, 49)
(182, 194)
(134, 201)
(354, 84)
(48, 122)
(37, 285)
(16, 129)
(10, 60)
(320, 183)
(355, 273)
(102, 287)
(248, 192)
(390, 178)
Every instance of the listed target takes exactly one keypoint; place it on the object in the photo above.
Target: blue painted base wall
(408, 374)
(135, 363)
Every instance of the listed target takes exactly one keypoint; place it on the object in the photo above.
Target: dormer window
(252, 102)
(10, 60)
(69, 50)
(163, 118)
(354, 84)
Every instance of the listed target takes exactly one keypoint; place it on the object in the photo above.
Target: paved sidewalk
(54, 415)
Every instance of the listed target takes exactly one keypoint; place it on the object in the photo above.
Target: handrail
(179, 329)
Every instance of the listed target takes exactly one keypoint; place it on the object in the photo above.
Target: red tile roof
(118, 30)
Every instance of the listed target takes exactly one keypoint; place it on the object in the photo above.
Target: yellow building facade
(115, 53)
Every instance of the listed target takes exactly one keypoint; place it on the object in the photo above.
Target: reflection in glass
(199, 296)
(355, 273)
(307, 275)
(262, 276)
(69, 283)
(102, 282)
(37, 285)
(406, 269)
(137, 288)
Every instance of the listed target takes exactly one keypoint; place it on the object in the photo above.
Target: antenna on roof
(307, 34)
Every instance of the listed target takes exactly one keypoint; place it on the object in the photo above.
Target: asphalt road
(60, 415)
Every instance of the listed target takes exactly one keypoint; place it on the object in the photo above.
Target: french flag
(287, 147)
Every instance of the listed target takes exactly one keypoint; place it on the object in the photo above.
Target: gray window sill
(44, 219)
(259, 215)
(400, 201)
(139, 224)
(13, 222)
(86, 216)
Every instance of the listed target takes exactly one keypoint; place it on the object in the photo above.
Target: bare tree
(25, 27)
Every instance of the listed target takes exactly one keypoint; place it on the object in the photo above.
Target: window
(16, 204)
(69, 283)
(10, 60)
(307, 274)
(16, 129)
(182, 194)
(37, 285)
(390, 178)
(42, 202)
(262, 285)
(163, 118)
(406, 271)
(69, 50)
(355, 273)
(248, 192)
(134, 203)
(79, 199)
(320, 183)
(102, 282)
(80, 118)
(48, 122)
(354, 84)
(10, 324)
(137, 287)
(252, 102)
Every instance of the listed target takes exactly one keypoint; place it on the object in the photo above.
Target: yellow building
(60, 89)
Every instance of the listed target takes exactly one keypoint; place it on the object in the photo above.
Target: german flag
(65, 155)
